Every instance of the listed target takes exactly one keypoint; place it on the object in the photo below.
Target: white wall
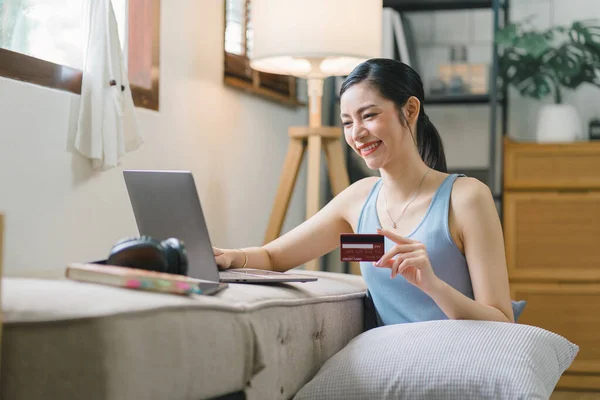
(58, 210)
(465, 129)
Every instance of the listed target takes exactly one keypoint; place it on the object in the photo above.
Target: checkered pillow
(447, 359)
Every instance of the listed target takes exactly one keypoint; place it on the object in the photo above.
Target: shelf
(497, 99)
(433, 5)
(459, 99)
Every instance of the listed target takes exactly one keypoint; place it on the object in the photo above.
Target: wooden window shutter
(238, 49)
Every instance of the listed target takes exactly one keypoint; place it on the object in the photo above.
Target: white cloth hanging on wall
(107, 127)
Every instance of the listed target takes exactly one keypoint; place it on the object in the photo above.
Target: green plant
(542, 63)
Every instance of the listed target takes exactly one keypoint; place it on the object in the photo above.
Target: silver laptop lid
(166, 204)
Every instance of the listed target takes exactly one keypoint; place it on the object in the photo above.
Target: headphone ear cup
(133, 240)
(176, 255)
(142, 253)
(125, 240)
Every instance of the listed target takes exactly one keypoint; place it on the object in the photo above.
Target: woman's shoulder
(354, 196)
(467, 190)
(358, 191)
(471, 203)
(469, 196)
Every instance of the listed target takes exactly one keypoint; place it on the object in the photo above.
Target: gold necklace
(394, 224)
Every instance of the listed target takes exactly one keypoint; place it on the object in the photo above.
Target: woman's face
(371, 124)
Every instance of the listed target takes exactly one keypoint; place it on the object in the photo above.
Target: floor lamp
(312, 39)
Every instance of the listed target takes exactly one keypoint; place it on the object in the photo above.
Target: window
(39, 29)
(41, 41)
(238, 49)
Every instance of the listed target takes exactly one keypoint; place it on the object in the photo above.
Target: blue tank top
(396, 300)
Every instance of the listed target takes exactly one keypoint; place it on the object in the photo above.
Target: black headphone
(147, 253)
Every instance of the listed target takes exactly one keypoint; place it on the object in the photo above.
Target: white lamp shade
(314, 38)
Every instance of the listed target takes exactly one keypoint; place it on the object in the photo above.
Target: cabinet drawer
(552, 235)
(572, 311)
(551, 166)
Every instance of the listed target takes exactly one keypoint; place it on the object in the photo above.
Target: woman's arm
(315, 237)
(481, 233)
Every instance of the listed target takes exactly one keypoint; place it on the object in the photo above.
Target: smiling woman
(41, 42)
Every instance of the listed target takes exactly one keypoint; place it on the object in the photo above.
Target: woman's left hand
(411, 262)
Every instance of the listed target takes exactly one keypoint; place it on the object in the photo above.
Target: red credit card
(361, 247)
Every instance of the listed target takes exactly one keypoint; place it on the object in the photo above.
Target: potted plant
(547, 63)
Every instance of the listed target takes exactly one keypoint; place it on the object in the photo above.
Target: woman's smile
(369, 148)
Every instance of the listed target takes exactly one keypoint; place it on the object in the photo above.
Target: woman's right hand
(223, 257)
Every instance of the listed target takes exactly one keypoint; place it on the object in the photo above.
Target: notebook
(134, 278)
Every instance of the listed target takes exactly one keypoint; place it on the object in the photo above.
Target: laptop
(166, 204)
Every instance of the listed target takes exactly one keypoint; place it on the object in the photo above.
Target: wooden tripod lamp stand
(312, 39)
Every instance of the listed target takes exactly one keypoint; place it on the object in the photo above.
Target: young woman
(445, 250)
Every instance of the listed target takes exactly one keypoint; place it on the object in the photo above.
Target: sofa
(72, 340)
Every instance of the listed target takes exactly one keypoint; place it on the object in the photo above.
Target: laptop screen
(166, 204)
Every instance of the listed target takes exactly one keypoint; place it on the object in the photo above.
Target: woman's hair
(397, 82)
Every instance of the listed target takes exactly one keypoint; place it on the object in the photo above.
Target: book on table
(135, 278)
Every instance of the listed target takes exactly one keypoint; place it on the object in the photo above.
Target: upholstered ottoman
(70, 340)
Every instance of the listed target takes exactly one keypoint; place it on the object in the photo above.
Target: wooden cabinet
(535, 166)
(568, 309)
(551, 221)
(553, 235)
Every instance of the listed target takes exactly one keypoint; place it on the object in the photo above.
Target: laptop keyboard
(254, 272)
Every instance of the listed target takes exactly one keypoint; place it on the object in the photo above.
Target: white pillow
(446, 359)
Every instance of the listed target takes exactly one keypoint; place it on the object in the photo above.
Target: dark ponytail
(397, 82)
(430, 144)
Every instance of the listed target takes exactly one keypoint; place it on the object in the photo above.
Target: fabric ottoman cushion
(72, 340)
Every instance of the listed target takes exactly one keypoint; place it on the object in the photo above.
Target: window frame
(238, 74)
(26, 68)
